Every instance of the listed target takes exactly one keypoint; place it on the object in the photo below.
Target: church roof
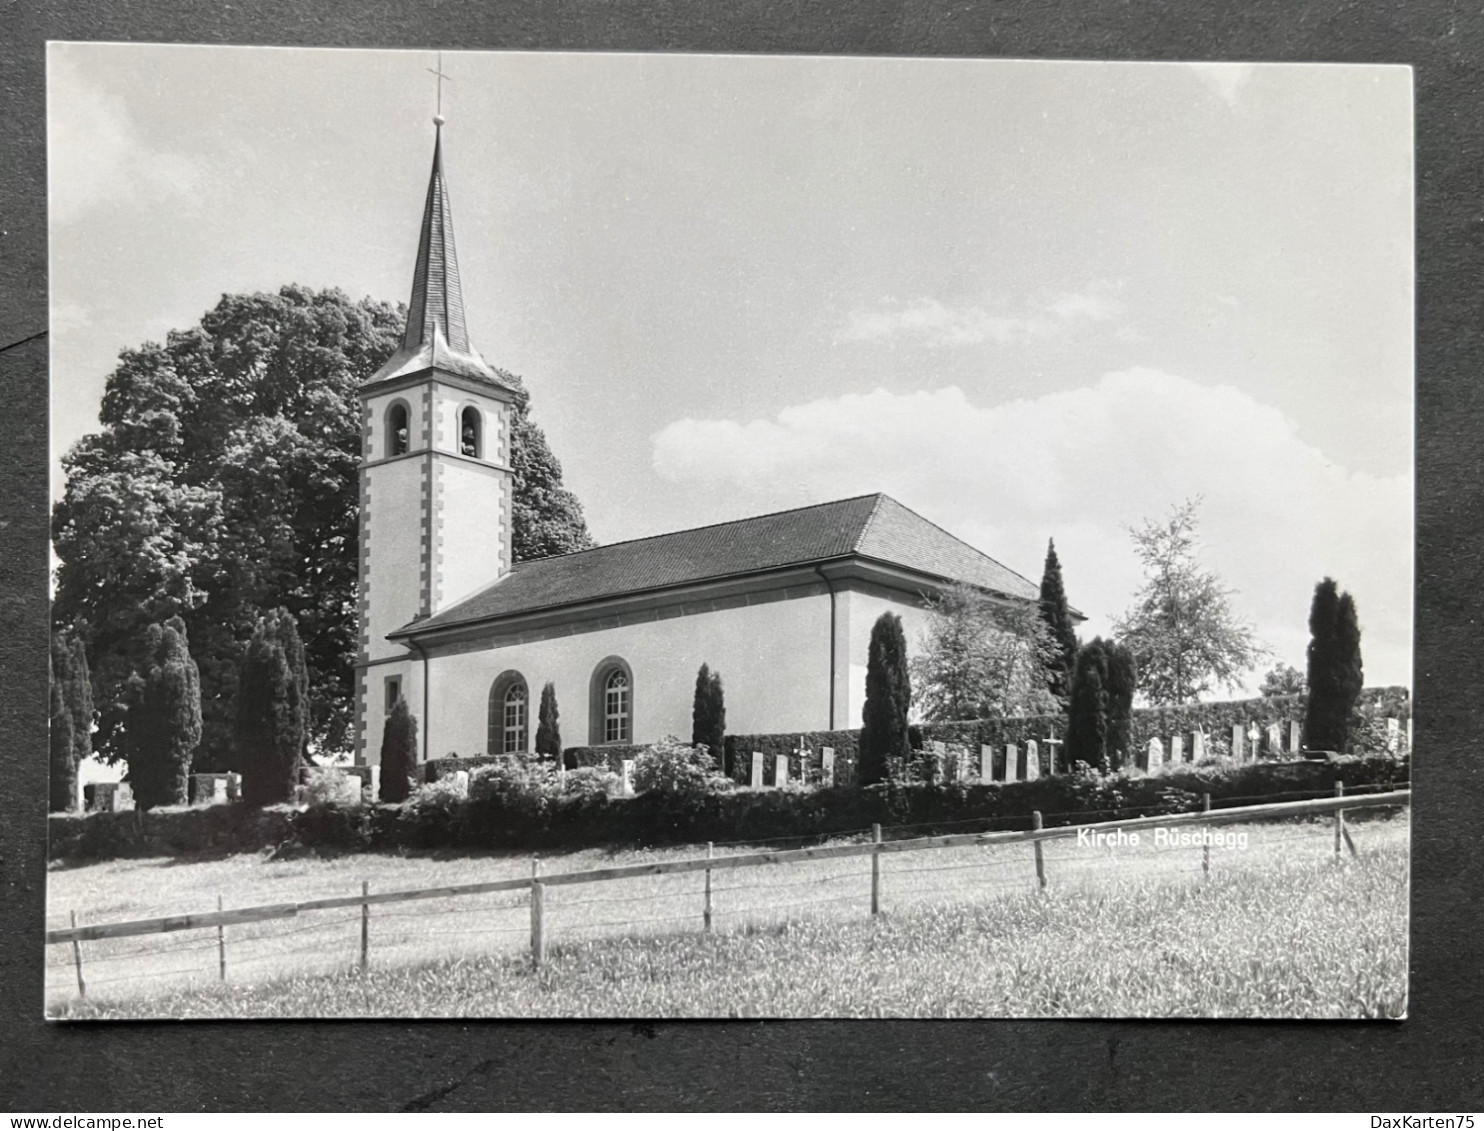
(436, 336)
(874, 527)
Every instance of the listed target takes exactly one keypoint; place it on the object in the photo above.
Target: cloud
(1082, 466)
(1226, 79)
(938, 324)
(97, 155)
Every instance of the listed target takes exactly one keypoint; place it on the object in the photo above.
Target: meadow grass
(1278, 929)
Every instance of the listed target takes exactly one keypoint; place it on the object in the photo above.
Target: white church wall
(470, 514)
(393, 578)
(373, 706)
(866, 603)
(773, 658)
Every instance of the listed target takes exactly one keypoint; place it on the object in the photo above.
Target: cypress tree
(1335, 671)
(271, 724)
(1120, 683)
(1059, 663)
(398, 753)
(164, 717)
(79, 694)
(1087, 711)
(63, 767)
(709, 715)
(883, 739)
(548, 730)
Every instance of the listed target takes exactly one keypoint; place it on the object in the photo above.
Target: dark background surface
(1432, 1062)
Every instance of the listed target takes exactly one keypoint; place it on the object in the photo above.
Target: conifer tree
(709, 715)
(272, 710)
(63, 778)
(1058, 617)
(164, 717)
(883, 738)
(399, 753)
(1335, 674)
(1120, 683)
(1087, 711)
(548, 730)
(72, 696)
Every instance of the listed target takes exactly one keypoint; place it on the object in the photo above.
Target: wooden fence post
(538, 914)
(876, 870)
(1206, 847)
(1339, 819)
(709, 848)
(1040, 860)
(365, 926)
(1344, 828)
(82, 987)
(221, 945)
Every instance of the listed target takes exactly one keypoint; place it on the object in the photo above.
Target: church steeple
(436, 336)
(437, 300)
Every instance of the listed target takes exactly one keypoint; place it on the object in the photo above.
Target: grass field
(1278, 929)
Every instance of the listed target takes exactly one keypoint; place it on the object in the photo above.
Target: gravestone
(1237, 737)
(1198, 746)
(1254, 736)
(1032, 760)
(827, 764)
(626, 777)
(1156, 756)
(1294, 740)
(1012, 763)
(960, 755)
(757, 769)
(1393, 735)
(459, 780)
(1409, 734)
(986, 763)
(939, 755)
(108, 796)
(1275, 740)
(1177, 749)
(780, 775)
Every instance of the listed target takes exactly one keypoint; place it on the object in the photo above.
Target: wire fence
(848, 877)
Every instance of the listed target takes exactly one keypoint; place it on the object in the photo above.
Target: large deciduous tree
(883, 739)
(163, 703)
(1057, 615)
(1336, 674)
(1184, 636)
(272, 710)
(981, 658)
(223, 485)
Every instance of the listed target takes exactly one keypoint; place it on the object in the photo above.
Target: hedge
(651, 819)
(1216, 719)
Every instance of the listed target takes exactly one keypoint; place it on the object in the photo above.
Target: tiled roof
(868, 526)
(436, 336)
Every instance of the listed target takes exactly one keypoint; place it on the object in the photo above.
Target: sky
(1027, 299)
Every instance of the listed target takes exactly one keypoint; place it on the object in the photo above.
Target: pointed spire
(437, 299)
(436, 336)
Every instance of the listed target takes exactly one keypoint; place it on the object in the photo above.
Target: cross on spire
(438, 70)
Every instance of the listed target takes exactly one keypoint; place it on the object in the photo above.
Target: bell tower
(435, 476)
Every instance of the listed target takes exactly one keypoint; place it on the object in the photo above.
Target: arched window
(509, 715)
(616, 707)
(469, 429)
(611, 702)
(396, 430)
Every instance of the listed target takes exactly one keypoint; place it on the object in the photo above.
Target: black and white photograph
(555, 535)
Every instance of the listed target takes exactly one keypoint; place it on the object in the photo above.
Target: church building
(782, 605)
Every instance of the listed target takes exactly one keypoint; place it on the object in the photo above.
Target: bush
(669, 766)
(329, 785)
